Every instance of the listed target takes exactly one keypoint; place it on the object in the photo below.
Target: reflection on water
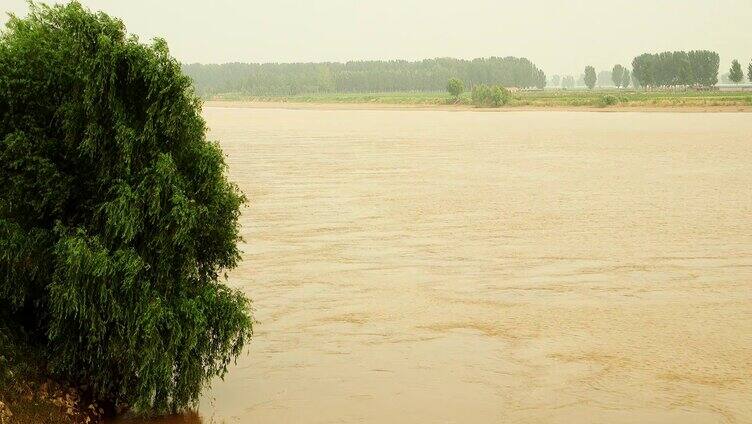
(531, 267)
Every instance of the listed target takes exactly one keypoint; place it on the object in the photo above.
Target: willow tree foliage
(117, 221)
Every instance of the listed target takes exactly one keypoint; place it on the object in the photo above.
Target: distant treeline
(361, 76)
(696, 68)
(669, 69)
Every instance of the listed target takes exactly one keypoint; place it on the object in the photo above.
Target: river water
(518, 267)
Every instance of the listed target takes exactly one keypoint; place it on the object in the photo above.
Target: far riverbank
(280, 104)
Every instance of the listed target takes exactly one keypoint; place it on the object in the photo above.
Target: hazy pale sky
(559, 36)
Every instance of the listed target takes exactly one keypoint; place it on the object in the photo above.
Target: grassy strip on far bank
(542, 99)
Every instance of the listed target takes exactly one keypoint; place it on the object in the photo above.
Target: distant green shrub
(607, 100)
(455, 87)
(116, 218)
(493, 96)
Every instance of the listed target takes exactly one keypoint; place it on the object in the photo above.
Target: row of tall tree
(736, 75)
(667, 69)
(361, 76)
(621, 76)
(679, 68)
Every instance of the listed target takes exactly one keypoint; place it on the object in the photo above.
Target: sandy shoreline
(465, 108)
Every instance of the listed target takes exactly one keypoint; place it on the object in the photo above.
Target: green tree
(617, 75)
(455, 87)
(735, 73)
(626, 77)
(635, 81)
(669, 69)
(641, 70)
(749, 72)
(501, 96)
(116, 217)
(271, 79)
(590, 77)
(540, 79)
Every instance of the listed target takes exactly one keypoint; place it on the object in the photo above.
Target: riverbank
(259, 104)
(29, 395)
(558, 100)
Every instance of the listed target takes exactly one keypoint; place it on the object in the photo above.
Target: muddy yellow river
(465, 267)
